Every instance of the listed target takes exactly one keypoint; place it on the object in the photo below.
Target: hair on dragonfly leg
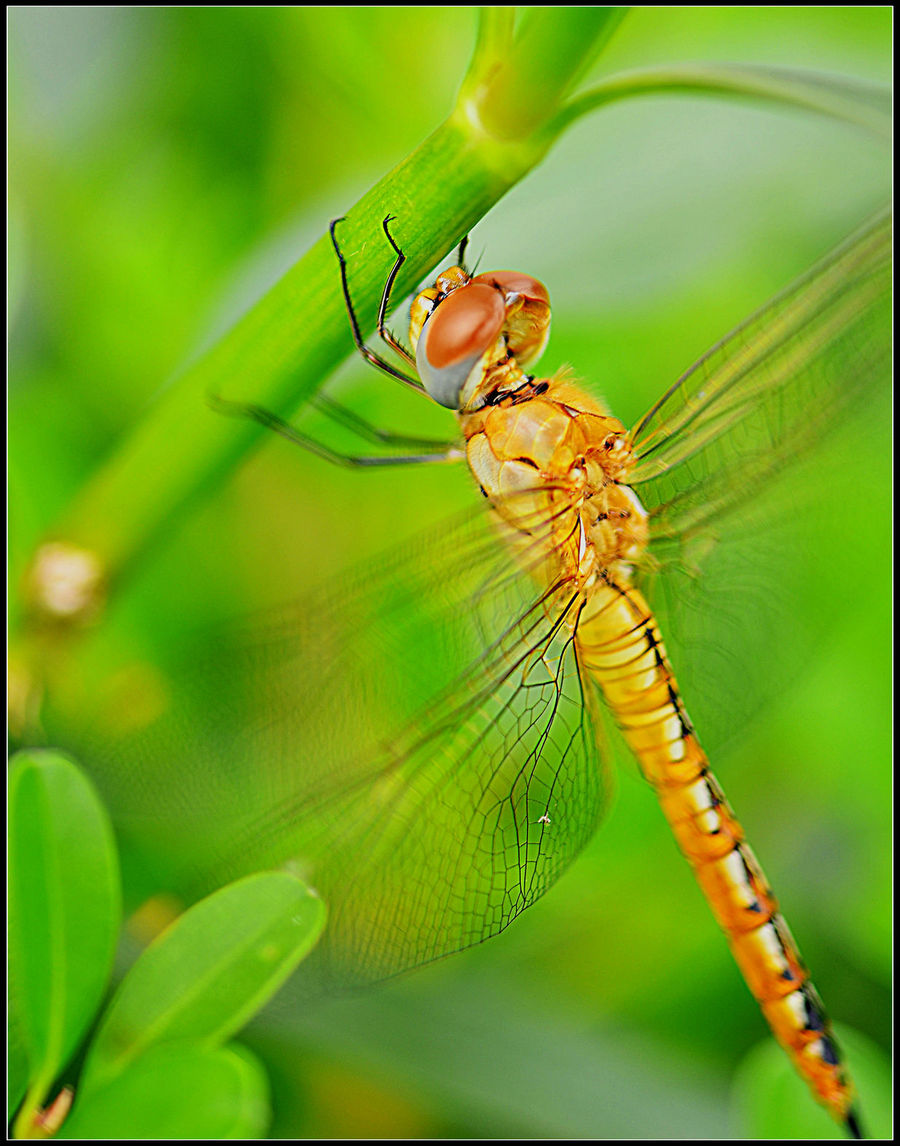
(388, 336)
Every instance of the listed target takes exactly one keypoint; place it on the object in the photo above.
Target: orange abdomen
(620, 646)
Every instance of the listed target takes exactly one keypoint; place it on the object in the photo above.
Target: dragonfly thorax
(555, 466)
(615, 525)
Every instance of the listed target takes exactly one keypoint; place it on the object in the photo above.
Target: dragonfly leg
(448, 453)
(386, 335)
(351, 421)
(370, 356)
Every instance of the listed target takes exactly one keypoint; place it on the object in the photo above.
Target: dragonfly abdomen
(620, 645)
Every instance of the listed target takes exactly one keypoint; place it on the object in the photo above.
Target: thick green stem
(289, 342)
(26, 1121)
(553, 49)
(495, 36)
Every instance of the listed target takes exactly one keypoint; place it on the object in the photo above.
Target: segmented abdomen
(620, 646)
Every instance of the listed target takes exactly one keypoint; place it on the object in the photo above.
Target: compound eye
(463, 326)
(514, 282)
(527, 304)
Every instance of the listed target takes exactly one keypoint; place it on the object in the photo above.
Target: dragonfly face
(464, 327)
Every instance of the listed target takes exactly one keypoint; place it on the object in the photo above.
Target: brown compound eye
(516, 283)
(527, 303)
(463, 326)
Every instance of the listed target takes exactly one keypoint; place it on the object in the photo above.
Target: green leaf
(181, 1090)
(773, 1102)
(208, 973)
(17, 1056)
(64, 906)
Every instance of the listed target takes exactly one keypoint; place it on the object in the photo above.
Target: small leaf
(773, 1102)
(64, 907)
(17, 1055)
(209, 972)
(178, 1090)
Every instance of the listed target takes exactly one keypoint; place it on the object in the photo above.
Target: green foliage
(64, 902)
(209, 972)
(771, 1101)
(156, 1066)
(167, 167)
(179, 1091)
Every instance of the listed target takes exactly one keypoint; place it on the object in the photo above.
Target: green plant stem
(495, 34)
(24, 1123)
(863, 105)
(552, 50)
(288, 343)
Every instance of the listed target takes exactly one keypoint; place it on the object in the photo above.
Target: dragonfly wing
(771, 387)
(474, 814)
(741, 464)
(414, 741)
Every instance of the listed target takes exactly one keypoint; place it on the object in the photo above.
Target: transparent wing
(742, 465)
(771, 389)
(417, 743)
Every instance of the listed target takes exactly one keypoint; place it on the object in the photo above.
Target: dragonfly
(428, 744)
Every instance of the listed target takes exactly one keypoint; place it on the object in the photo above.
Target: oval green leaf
(209, 972)
(178, 1090)
(64, 907)
(772, 1102)
(16, 1055)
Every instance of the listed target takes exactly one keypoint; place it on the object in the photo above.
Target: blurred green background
(166, 165)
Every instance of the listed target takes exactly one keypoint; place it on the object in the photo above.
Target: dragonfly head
(462, 326)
